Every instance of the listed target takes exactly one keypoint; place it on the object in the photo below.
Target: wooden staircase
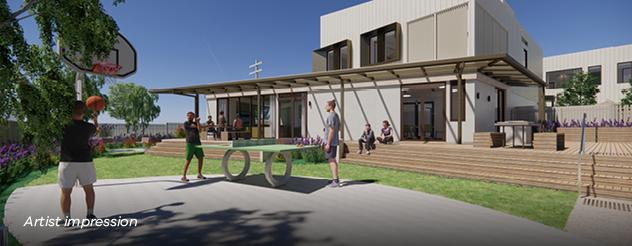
(605, 176)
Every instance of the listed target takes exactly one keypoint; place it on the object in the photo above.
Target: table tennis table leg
(275, 182)
(243, 172)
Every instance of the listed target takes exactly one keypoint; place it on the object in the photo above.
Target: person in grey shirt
(331, 141)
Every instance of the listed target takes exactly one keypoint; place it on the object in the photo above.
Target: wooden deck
(608, 174)
(606, 149)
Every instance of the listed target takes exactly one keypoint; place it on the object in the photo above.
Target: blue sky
(193, 42)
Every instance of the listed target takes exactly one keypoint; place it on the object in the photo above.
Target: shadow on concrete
(295, 184)
(231, 226)
(358, 182)
(194, 183)
(139, 182)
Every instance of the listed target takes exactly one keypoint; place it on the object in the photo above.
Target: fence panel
(624, 112)
(118, 129)
(10, 133)
(594, 112)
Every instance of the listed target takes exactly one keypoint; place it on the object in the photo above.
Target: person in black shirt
(192, 128)
(75, 162)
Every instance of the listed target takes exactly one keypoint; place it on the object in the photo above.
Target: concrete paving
(605, 220)
(303, 212)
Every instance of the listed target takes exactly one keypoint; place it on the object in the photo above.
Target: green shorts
(192, 149)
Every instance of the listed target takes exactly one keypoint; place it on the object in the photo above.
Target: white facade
(430, 30)
(607, 58)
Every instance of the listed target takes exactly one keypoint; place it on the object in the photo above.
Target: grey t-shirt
(333, 121)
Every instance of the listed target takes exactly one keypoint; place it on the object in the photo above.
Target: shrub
(180, 132)
(129, 142)
(314, 155)
(97, 147)
(15, 159)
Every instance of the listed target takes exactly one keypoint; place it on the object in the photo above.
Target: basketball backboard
(120, 63)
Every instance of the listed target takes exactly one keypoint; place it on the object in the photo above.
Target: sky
(182, 43)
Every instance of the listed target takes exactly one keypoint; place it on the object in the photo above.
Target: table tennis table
(268, 151)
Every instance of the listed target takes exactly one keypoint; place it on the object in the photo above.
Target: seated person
(211, 127)
(367, 140)
(386, 136)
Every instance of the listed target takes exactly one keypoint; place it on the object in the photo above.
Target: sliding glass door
(291, 115)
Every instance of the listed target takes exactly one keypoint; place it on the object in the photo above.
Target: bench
(228, 135)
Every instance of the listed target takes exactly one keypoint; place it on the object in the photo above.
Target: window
(454, 100)
(331, 64)
(596, 72)
(389, 44)
(526, 58)
(557, 79)
(624, 72)
(344, 57)
(373, 48)
(381, 45)
(333, 57)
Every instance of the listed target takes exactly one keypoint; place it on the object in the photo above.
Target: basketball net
(106, 69)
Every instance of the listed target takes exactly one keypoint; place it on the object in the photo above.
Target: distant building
(401, 61)
(611, 66)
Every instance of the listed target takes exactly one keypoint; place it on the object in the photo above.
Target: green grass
(546, 206)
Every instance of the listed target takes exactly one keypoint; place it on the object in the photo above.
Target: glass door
(411, 120)
(429, 126)
(291, 119)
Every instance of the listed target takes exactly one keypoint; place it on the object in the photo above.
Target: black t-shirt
(75, 142)
(193, 134)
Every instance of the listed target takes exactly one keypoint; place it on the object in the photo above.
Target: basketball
(95, 103)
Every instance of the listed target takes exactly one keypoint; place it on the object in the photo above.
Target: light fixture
(406, 95)
(442, 87)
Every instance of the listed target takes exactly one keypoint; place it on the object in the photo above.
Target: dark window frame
(526, 58)
(336, 48)
(553, 85)
(380, 33)
(598, 78)
(620, 72)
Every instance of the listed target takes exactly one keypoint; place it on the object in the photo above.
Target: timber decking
(608, 174)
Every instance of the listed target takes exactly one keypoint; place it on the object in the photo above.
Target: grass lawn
(546, 206)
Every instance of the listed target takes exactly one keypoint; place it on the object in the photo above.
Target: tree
(35, 87)
(581, 89)
(627, 95)
(133, 104)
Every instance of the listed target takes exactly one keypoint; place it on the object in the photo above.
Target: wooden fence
(10, 133)
(118, 129)
(607, 110)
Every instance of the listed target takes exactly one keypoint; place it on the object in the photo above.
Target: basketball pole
(79, 85)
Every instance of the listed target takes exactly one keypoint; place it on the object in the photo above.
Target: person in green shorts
(192, 128)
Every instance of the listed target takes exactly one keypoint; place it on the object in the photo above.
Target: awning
(500, 67)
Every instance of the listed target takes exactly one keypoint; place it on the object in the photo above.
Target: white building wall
(468, 125)
(502, 13)
(364, 102)
(352, 22)
(485, 110)
(608, 58)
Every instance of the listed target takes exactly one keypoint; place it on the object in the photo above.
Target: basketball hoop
(106, 68)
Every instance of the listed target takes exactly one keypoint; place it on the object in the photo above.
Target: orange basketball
(95, 103)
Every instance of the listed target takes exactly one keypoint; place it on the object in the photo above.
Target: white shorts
(71, 172)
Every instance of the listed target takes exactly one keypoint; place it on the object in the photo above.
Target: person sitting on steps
(367, 140)
(386, 136)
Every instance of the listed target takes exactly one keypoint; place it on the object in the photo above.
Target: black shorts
(333, 151)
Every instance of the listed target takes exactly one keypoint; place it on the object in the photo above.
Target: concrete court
(303, 212)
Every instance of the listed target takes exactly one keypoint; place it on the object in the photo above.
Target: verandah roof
(500, 67)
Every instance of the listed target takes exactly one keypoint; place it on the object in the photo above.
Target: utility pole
(257, 68)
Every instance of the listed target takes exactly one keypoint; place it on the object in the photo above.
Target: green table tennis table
(268, 152)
